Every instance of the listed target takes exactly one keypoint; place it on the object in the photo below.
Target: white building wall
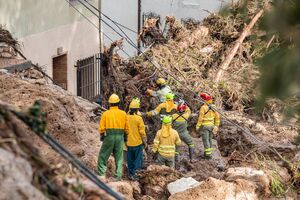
(126, 13)
(79, 40)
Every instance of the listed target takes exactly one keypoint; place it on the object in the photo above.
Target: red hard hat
(181, 108)
(205, 96)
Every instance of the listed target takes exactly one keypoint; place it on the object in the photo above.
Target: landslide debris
(67, 122)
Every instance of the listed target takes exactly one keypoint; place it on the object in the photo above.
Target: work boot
(207, 156)
(191, 154)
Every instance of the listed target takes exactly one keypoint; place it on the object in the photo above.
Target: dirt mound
(154, 180)
(69, 123)
(259, 136)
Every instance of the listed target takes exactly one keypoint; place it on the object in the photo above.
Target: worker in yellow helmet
(208, 123)
(113, 130)
(180, 114)
(163, 90)
(137, 139)
(165, 143)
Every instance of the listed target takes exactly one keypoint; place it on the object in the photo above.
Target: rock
(16, 177)
(156, 191)
(146, 197)
(155, 180)
(124, 188)
(207, 49)
(182, 185)
(214, 189)
(259, 127)
(257, 176)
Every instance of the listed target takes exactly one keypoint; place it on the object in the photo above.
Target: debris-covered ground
(259, 162)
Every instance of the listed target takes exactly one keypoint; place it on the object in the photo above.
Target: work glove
(148, 114)
(142, 114)
(102, 136)
(125, 137)
(149, 92)
(215, 130)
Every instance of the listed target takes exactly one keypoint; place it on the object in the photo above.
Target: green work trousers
(168, 161)
(181, 128)
(207, 134)
(113, 144)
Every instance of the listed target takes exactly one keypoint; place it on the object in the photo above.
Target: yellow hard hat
(170, 96)
(161, 81)
(135, 103)
(167, 119)
(114, 99)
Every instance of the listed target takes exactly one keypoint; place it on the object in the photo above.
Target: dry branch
(239, 41)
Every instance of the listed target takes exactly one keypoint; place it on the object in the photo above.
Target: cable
(106, 23)
(115, 22)
(95, 25)
(160, 69)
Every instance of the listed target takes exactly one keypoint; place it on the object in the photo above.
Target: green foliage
(79, 188)
(277, 187)
(280, 66)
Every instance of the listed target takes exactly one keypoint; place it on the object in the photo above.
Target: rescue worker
(208, 123)
(163, 90)
(137, 139)
(113, 130)
(181, 126)
(180, 115)
(165, 143)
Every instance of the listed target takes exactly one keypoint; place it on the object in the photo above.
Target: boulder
(214, 189)
(16, 177)
(122, 187)
(259, 177)
(182, 184)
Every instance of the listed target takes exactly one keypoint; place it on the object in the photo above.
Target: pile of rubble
(238, 169)
(67, 121)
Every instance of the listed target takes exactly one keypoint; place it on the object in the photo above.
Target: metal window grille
(89, 76)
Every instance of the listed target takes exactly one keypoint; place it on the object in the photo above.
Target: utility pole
(139, 23)
(101, 42)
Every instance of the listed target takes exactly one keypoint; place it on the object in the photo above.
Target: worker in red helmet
(208, 123)
(180, 114)
(180, 125)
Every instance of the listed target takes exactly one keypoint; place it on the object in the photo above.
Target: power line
(115, 22)
(95, 26)
(160, 69)
(88, 19)
(106, 23)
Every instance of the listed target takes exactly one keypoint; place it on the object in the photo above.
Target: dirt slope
(69, 123)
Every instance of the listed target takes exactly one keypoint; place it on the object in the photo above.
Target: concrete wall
(42, 26)
(78, 40)
(125, 12)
